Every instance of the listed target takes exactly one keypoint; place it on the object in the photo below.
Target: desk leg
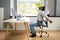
(15, 26)
(7, 34)
(26, 29)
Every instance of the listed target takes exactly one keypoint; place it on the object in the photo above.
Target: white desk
(24, 20)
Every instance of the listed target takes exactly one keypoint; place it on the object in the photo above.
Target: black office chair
(41, 27)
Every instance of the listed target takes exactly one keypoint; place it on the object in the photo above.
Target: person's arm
(41, 13)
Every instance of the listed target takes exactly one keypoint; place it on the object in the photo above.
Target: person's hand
(50, 21)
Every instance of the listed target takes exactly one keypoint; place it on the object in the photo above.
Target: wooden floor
(20, 35)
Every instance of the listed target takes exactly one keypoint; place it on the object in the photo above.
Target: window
(28, 7)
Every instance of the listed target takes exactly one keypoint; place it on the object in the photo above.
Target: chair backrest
(45, 22)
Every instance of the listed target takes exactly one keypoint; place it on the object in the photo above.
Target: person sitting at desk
(40, 16)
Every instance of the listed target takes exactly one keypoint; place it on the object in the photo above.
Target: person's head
(41, 8)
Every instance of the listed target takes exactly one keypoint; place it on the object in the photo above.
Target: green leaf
(39, 4)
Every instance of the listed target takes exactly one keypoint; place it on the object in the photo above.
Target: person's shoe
(33, 35)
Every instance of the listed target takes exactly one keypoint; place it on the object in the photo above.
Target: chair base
(43, 32)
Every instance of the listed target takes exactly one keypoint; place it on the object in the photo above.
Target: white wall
(54, 26)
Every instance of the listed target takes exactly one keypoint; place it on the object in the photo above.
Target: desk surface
(17, 20)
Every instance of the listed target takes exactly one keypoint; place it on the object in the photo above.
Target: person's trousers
(32, 25)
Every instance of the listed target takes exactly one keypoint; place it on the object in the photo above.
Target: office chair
(41, 27)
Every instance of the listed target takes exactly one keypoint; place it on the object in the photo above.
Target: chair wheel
(46, 32)
(40, 35)
(47, 35)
